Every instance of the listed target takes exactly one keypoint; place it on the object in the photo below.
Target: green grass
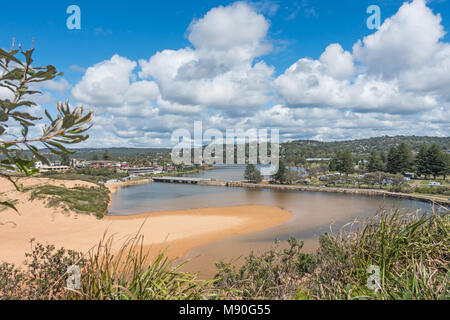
(412, 252)
(79, 199)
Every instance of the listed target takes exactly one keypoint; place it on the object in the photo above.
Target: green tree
(332, 166)
(106, 155)
(252, 173)
(375, 162)
(447, 165)
(65, 160)
(393, 161)
(405, 158)
(436, 161)
(343, 162)
(280, 175)
(348, 165)
(17, 74)
(421, 162)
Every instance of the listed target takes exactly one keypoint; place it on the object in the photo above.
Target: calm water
(314, 212)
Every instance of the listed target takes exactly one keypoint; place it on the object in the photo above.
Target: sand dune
(179, 230)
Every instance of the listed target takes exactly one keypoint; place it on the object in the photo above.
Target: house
(53, 168)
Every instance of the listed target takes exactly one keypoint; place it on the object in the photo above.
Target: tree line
(430, 160)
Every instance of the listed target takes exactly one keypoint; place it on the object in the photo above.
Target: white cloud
(402, 68)
(60, 85)
(394, 81)
(111, 86)
(405, 41)
(219, 72)
(106, 83)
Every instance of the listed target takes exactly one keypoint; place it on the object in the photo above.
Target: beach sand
(178, 231)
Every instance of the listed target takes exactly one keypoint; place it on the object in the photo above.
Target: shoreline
(179, 231)
(355, 191)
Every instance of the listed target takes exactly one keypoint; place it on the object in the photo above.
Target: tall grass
(412, 252)
(128, 273)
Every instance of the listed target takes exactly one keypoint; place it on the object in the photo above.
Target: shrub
(125, 274)
(276, 274)
(80, 199)
(43, 277)
(412, 253)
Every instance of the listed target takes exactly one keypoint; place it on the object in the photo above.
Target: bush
(127, 274)
(412, 253)
(276, 274)
(79, 199)
(44, 276)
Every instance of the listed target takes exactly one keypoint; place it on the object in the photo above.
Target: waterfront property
(179, 180)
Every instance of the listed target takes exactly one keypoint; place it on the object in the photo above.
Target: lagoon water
(314, 212)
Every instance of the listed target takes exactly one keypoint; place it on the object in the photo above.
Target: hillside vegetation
(316, 149)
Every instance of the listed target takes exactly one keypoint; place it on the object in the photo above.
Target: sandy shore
(179, 231)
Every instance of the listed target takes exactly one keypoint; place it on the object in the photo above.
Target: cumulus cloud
(219, 71)
(59, 85)
(402, 68)
(111, 86)
(393, 81)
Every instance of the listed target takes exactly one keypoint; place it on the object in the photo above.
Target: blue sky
(137, 30)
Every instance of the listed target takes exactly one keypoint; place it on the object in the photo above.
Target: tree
(284, 175)
(447, 165)
(65, 160)
(106, 155)
(421, 162)
(342, 162)
(405, 158)
(436, 161)
(375, 162)
(393, 161)
(252, 174)
(332, 166)
(17, 75)
(348, 166)
(280, 174)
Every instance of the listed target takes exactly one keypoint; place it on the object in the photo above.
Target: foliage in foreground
(412, 252)
(126, 274)
(79, 199)
(275, 274)
(17, 76)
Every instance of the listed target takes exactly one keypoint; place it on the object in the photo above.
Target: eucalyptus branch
(69, 127)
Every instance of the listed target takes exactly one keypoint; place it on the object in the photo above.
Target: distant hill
(115, 153)
(87, 153)
(314, 149)
(290, 150)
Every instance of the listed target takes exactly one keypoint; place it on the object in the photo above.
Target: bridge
(179, 180)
